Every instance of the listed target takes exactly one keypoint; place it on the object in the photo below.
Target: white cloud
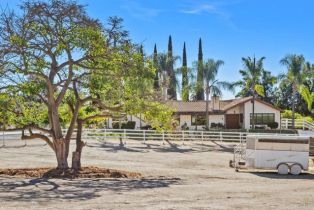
(139, 11)
(200, 9)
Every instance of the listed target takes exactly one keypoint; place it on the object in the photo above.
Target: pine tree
(185, 81)
(155, 62)
(200, 77)
(172, 92)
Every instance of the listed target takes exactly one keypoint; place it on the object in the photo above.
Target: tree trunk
(76, 155)
(293, 105)
(253, 112)
(60, 150)
(206, 113)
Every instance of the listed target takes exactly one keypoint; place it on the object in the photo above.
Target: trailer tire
(295, 169)
(283, 169)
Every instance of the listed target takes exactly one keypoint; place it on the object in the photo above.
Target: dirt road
(191, 176)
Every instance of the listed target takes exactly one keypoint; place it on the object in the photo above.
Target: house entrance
(234, 121)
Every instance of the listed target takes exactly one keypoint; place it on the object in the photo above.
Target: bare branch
(38, 136)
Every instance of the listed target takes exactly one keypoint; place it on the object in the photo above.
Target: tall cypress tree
(185, 80)
(200, 76)
(155, 62)
(172, 92)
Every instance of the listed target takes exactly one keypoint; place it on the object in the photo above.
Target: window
(263, 118)
(198, 120)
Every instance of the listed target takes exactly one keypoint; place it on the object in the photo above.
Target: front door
(233, 121)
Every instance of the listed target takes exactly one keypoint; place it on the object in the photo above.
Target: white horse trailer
(282, 153)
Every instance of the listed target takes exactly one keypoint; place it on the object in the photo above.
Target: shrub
(273, 125)
(288, 114)
(216, 125)
(273, 131)
(127, 125)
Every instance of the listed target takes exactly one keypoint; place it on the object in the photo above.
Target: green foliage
(288, 114)
(307, 96)
(185, 79)
(199, 91)
(127, 125)
(259, 89)
(273, 125)
(252, 81)
(159, 116)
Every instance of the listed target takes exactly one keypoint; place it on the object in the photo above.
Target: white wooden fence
(183, 136)
(149, 135)
(299, 124)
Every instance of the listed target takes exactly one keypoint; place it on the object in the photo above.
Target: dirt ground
(191, 176)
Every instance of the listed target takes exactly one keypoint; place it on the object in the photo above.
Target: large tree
(41, 50)
(185, 78)
(295, 76)
(212, 86)
(165, 78)
(251, 80)
(155, 62)
(172, 92)
(54, 49)
(199, 87)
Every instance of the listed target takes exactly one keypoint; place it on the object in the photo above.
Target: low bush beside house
(127, 125)
(273, 131)
(273, 125)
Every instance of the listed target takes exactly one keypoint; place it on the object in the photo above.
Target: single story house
(230, 114)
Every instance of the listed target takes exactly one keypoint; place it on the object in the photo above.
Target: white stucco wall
(185, 118)
(129, 118)
(259, 108)
(236, 110)
(212, 119)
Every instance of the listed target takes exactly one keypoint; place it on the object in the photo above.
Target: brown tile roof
(200, 106)
(239, 101)
(236, 102)
(190, 106)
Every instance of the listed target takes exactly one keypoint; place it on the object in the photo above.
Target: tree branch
(37, 136)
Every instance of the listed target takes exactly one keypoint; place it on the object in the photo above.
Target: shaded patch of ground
(85, 172)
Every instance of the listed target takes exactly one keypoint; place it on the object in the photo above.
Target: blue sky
(230, 29)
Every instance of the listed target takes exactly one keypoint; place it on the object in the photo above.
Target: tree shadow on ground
(275, 175)
(110, 147)
(177, 147)
(44, 190)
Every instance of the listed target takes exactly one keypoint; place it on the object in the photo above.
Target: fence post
(124, 134)
(220, 136)
(163, 137)
(202, 134)
(182, 137)
(286, 123)
(105, 135)
(144, 135)
(3, 144)
(303, 124)
(240, 137)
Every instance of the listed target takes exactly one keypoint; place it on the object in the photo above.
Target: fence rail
(298, 124)
(146, 135)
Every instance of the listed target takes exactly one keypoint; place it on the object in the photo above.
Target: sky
(230, 29)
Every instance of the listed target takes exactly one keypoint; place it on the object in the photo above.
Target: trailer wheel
(283, 169)
(295, 169)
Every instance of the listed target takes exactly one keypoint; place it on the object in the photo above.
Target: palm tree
(211, 84)
(295, 76)
(251, 80)
(306, 90)
(165, 77)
